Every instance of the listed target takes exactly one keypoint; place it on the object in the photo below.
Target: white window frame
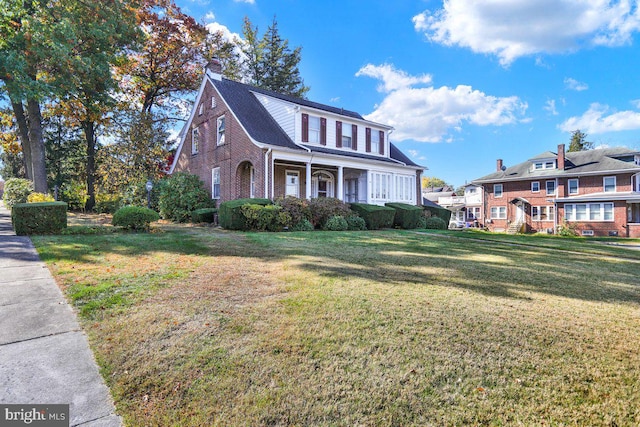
(381, 184)
(213, 102)
(201, 109)
(404, 188)
(375, 141)
(499, 212)
(195, 140)
(288, 173)
(215, 183)
(221, 131)
(252, 182)
(347, 137)
(314, 133)
(547, 164)
(535, 184)
(497, 194)
(604, 184)
(546, 187)
(577, 181)
(543, 213)
(474, 213)
(605, 212)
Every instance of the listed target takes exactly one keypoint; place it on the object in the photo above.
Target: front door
(520, 212)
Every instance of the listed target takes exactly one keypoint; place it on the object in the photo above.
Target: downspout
(266, 173)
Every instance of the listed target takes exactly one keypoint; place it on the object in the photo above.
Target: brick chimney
(561, 157)
(499, 165)
(214, 69)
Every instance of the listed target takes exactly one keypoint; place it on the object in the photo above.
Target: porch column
(369, 186)
(340, 191)
(308, 181)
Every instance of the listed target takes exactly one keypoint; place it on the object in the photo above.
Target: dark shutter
(338, 134)
(367, 138)
(323, 131)
(382, 142)
(354, 137)
(305, 127)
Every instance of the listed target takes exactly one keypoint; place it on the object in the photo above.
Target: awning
(519, 199)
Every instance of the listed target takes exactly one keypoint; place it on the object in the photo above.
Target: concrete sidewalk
(44, 355)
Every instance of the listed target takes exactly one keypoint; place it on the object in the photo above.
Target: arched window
(322, 184)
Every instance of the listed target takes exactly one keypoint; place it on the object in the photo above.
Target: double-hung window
(588, 212)
(347, 130)
(535, 187)
(314, 129)
(499, 212)
(215, 183)
(551, 188)
(573, 186)
(375, 141)
(497, 190)
(609, 184)
(195, 141)
(220, 130)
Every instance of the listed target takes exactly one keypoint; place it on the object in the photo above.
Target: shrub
(323, 208)
(39, 218)
(304, 225)
(182, 194)
(136, 193)
(297, 208)
(444, 214)
(375, 216)
(107, 203)
(16, 190)
(435, 223)
(39, 198)
(265, 218)
(74, 194)
(567, 230)
(356, 223)
(406, 216)
(204, 215)
(423, 222)
(134, 217)
(336, 223)
(230, 213)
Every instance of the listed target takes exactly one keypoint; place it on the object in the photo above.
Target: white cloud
(550, 106)
(209, 17)
(573, 84)
(429, 114)
(245, 1)
(511, 29)
(600, 119)
(416, 155)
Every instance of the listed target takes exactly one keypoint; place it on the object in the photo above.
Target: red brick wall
(230, 157)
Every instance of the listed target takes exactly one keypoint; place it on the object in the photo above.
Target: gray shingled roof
(576, 163)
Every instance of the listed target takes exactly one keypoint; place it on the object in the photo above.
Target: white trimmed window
(573, 186)
(474, 213)
(609, 184)
(551, 164)
(499, 212)
(195, 141)
(215, 183)
(404, 188)
(551, 188)
(380, 186)
(347, 130)
(292, 186)
(314, 129)
(252, 185)
(375, 141)
(201, 109)
(213, 102)
(543, 213)
(497, 190)
(589, 212)
(535, 187)
(220, 130)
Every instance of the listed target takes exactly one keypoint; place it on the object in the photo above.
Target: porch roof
(629, 196)
(396, 155)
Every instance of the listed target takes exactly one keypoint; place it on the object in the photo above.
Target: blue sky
(464, 82)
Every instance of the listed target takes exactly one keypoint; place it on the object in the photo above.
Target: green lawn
(202, 327)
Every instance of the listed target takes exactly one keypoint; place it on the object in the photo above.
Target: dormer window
(550, 164)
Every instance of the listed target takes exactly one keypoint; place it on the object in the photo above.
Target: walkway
(44, 355)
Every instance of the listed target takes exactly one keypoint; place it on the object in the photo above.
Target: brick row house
(243, 141)
(597, 192)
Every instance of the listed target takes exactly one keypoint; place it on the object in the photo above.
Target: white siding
(283, 112)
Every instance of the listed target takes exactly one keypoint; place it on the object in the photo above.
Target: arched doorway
(322, 184)
(246, 180)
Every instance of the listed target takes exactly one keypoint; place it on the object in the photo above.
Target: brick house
(595, 191)
(243, 141)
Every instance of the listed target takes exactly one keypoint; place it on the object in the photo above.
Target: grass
(202, 327)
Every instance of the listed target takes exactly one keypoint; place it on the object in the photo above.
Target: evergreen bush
(356, 223)
(182, 194)
(304, 225)
(134, 217)
(107, 203)
(296, 207)
(435, 223)
(375, 216)
(265, 217)
(336, 223)
(204, 215)
(323, 208)
(406, 216)
(39, 218)
(16, 190)
(230, 213)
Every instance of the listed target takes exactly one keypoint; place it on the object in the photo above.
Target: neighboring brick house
(596, 191)
(243, 141)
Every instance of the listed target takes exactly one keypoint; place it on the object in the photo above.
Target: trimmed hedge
(442, 213)
(375, 216)
(204, 215)
(435, 223)
(16, 190)
(134, 217)
(407, 216)
(230, 213)
(39, 218)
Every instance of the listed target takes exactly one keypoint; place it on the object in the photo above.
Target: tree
(579, 142)
(432, 181)
(270, 63)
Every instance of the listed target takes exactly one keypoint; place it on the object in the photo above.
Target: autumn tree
(432, 181)
(579, 141)
(270, 63)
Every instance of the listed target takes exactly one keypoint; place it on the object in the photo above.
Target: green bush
(323, 208)
(406, 216)
(304, 225)
(136, 194)
(265, 218)
(39, 218)
(134, 217)
(567, 230)
(182, 194)
(297, 208)
(356, 223)
(230, 213)
(435, 223)
(204, 215)
(74, 194)
(375, 216)
(423, 222)
(444, 214)
(16, 190)
(336, 223)
(107, 203)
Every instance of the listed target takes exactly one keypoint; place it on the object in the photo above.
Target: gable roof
(589, 162)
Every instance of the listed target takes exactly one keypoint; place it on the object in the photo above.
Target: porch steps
(515, 227)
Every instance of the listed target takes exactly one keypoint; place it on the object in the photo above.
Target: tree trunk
(89, 134)
(37, 147)
(23, 128)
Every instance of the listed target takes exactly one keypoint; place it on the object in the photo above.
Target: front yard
(195, 326)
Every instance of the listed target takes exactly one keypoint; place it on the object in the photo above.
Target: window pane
(552, 213)
(608, 211)
(551, 187)
(609, 184)
(535, 186)
(594, 212)
(573, 186)
(569, 212)
(581, 212)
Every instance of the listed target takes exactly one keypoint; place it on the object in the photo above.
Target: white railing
(451, 200)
